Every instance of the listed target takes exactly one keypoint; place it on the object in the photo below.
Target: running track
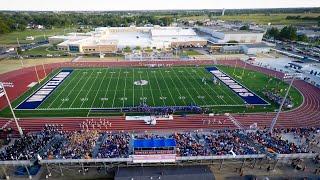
(307, 115)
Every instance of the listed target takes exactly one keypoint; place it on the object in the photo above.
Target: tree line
(18, 21)
(286, 33)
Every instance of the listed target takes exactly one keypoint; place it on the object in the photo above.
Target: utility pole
(274, 120)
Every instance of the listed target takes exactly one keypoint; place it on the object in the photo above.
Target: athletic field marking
(220, 89)
(125, 85)
(100, 87)
(159, 88)
(105, 95)
(174, 102)
(195, 89)
(203, 87)
(184, 86)
(133, 86)
(83, 85)
(154, 104)
(71, 81)
(115, 92)
(90, 89)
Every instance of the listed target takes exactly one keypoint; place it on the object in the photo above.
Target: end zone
(244, 93)
(41, 94)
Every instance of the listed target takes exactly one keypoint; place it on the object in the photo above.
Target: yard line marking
(183, 86)
(71, 80)
(99, 88)
(154, 104)
(115, 92)
(133, 86)
(159, 88)
(193, 88)
(169, 89)
(107, 90)
(140, 72)
(202, 87)
(90, 90)
(220, 89)
(125, 85)
(80, 89)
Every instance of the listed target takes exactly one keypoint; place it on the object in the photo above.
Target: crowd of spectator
(115, 146)
(75, 145)
(54, 143)
(27, 147)
(275, 143)
(187, 145)
(224, 143)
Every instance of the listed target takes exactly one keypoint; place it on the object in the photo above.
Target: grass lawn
(274, 19)
(42, 50)
(189, 52)
(88, 88)
(11, 38)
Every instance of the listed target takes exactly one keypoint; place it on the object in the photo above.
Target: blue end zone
(243, 92)
(40, 95)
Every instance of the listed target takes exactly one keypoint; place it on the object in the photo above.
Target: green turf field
(114, 87)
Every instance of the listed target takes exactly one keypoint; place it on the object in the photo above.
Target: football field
(116, 88)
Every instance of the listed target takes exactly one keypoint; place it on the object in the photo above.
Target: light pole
(13, 114)
(286, 76)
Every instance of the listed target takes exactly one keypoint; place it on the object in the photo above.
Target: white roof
(173, 32)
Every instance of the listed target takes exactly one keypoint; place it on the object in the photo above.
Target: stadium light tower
(13, 114)
(291, 76)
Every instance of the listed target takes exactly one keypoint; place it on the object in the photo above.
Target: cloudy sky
(70, 5)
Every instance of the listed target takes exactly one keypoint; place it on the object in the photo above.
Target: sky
(97, 5)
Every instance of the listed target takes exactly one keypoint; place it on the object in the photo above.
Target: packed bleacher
(115, 146)
(275, 143)
(225, 142)
(54, 143)
(188, 146)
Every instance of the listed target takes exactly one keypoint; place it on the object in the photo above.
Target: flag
(1, 90)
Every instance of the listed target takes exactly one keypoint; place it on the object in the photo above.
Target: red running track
(307, 115)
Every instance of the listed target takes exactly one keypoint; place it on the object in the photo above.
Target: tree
(289, 33)
(3, 27)
(127, 49)
(273, 32)
(245, 27)
(166, 20)
(303, 38)
(138, 48)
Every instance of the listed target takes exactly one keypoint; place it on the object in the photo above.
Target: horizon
(147, 5)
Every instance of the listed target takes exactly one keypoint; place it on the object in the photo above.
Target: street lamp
(291, 76)
(13, 114)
